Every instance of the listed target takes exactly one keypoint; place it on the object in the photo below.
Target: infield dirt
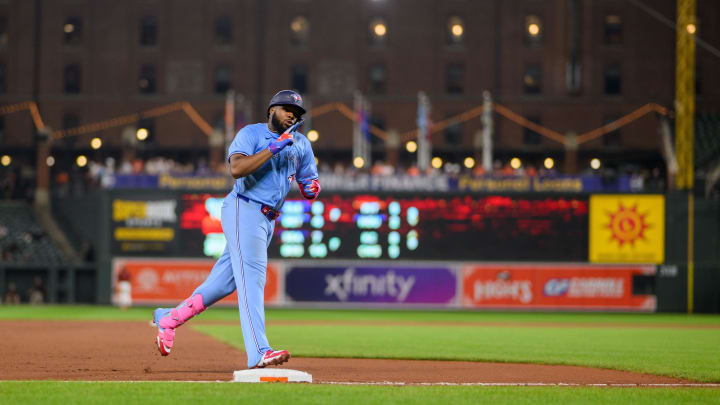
(125, 351)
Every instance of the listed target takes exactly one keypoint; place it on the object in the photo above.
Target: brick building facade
(571, 65)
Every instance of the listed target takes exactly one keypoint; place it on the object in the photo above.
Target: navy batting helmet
(286, 97)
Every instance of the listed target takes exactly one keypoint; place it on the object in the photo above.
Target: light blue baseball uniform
(248, 231)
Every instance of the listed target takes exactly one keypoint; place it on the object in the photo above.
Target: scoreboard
(420, 226)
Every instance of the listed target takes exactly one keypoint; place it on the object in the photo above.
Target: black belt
(265, 209)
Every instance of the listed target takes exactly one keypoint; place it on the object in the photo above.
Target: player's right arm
(243, 165)
(241, 159)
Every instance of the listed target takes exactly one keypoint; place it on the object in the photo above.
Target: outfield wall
(516, 286)
(520, 237)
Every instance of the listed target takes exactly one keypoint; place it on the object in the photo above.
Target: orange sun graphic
(627, 225)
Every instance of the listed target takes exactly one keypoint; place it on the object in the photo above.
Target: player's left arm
(307, 174)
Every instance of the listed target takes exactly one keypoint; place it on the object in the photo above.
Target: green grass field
(664, 344)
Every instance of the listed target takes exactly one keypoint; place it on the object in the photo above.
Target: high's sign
(555, 286)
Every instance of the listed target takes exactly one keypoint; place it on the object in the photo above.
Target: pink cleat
(273, 358)
(167, 319)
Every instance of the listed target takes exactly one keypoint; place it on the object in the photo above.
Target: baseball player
(264, 158)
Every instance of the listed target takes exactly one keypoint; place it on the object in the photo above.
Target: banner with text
(578, 287)
(169, 281)
(389, 285)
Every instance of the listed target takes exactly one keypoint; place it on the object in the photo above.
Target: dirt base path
(125, 351)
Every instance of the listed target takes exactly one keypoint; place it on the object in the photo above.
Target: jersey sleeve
(307, 170)
(243, 144)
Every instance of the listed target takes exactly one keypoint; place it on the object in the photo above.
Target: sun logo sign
(627, 225)
(627, 228)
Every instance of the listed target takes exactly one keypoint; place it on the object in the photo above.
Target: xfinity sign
(376, 284)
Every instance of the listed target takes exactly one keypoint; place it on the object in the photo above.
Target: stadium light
(549, 163)
(358, 162)
(96, 143)
(81, 161)
(68, 28)
(411, 146)
(515, 163)
(299, 24)
(533, 29)
(50, 161)
(142, 134)
(691, 29)
(595, 163)
(380, 29)
(457, 30)
(6, 160)
(469, 162)
(313, 135)
(436, 162)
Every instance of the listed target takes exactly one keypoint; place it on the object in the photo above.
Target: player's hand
(284, 140)
(310, 190)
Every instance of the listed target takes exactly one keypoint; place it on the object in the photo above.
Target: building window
(613, 80)
(611, 139)
(377, 32)
(146, 81)
(379, 122)
(453, 133)
(455, 31)
(299, 78)
(454, 78)
(613, 30)
(378, 79)
(532, 79)
(69, 121)
(533, 30)
(73, 30)
(219, 121)
(3, 80)
(223, 31)
(72, 79)
(573, 76)
(3, 32)
(531, 137)
(299, 31)
(223, 80)
(148, 31)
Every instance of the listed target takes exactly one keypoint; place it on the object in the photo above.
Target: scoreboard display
(419, 226)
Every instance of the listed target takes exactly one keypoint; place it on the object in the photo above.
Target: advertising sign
(627, 229)
(372, 284)
(169, 281)
(555, 286)
(145, 225)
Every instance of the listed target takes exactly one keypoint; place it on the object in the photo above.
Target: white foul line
(529, 384)
(426, 384)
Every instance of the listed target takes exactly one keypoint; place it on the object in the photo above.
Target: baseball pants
(242, 267)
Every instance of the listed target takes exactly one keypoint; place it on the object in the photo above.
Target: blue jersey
(272, 181)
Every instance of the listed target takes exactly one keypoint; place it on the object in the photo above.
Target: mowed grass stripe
(681, 353)
(97, 312)
(63, 393)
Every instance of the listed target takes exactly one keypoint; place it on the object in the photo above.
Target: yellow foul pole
(685, 120)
